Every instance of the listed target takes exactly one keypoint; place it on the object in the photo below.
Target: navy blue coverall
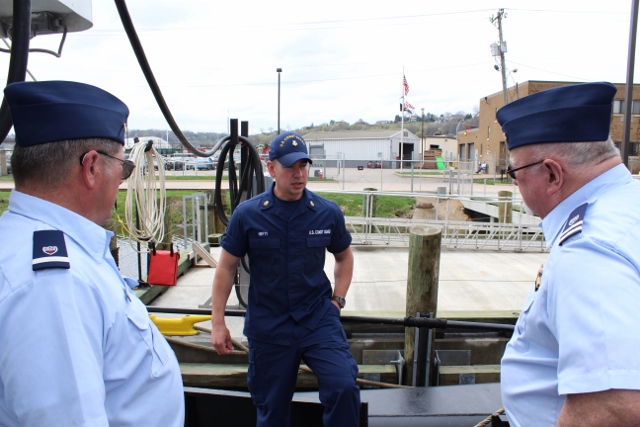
(290, 316)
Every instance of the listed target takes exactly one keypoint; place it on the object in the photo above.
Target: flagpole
(402, 120)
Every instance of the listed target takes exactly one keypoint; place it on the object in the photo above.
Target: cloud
(341, 60)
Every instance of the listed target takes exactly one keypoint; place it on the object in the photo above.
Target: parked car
(375, 164)
(173, 163)
(155, 166)
(205, 163)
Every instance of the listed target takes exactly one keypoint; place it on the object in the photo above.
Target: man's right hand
(221, 339)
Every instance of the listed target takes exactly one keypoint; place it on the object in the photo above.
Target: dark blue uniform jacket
(286, 253)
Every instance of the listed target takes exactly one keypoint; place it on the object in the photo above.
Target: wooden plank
(234, 376)
(451, 375)
(204, 254)
(469, 369)
(149, 293)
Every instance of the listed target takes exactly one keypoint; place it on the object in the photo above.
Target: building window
(488, 132)
(619, 106)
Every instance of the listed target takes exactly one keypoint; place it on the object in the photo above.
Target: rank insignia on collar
(539, 278)
(49, 250)
(574, 224)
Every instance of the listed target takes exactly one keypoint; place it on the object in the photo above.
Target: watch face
(341, 301)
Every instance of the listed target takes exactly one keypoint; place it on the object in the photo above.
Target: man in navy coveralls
(292, 314)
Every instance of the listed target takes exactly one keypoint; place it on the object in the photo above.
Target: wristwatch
(340, 300)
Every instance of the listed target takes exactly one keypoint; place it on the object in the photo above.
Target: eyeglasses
(127, 165)
(512, 172)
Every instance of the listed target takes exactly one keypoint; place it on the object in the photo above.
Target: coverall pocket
(318, 242)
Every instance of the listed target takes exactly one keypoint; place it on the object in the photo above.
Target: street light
(422, 141)
(279, 70)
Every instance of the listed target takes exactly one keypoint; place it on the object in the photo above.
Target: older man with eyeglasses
(77, 347)
(573, 359)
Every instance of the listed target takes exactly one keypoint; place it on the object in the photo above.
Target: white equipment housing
(49, 16)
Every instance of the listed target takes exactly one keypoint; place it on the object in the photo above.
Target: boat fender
(178, 325)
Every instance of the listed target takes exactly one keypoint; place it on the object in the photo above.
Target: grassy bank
(351, 204)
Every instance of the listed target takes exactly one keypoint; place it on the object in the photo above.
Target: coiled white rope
(146, 193)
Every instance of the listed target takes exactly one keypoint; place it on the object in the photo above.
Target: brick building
(487, 142)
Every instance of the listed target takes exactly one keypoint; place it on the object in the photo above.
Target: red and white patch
(49, 250)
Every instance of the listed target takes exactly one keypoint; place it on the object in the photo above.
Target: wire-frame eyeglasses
(512, 172)
(127, 165)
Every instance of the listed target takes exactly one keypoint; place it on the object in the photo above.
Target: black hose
(420, 322)
(19, 57)
(127, 23)
(242, 188)
(239, 189)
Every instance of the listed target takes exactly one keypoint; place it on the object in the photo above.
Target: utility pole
(628, 99)
(501, 49)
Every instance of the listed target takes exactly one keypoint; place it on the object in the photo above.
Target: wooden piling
(216, 225)
(3, 162)
(422, 283)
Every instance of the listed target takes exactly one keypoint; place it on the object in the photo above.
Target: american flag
(406, 85)
(409, 106)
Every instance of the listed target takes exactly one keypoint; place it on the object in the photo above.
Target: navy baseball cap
(49, 111)
(287, 148)
(575, 113)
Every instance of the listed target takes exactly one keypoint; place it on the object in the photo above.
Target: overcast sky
(341, 60)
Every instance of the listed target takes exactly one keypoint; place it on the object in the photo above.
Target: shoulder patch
(574, 223)
(49, 250)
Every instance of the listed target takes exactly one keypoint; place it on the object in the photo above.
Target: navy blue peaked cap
(50, 111)
(287, 148)
(575, 113)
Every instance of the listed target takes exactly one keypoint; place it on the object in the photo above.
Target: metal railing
(520, 234)
(455, 234)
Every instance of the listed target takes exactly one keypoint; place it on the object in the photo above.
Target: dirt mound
(440, 209)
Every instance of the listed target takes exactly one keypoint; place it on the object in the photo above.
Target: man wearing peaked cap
(78, 347)
(293, 314)
(573, 358)
(287, 148)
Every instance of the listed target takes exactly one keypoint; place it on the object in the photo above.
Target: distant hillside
(443, 125)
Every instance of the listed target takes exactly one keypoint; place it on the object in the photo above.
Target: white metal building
(356, 147)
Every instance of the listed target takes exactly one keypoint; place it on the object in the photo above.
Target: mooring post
(422, 283)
